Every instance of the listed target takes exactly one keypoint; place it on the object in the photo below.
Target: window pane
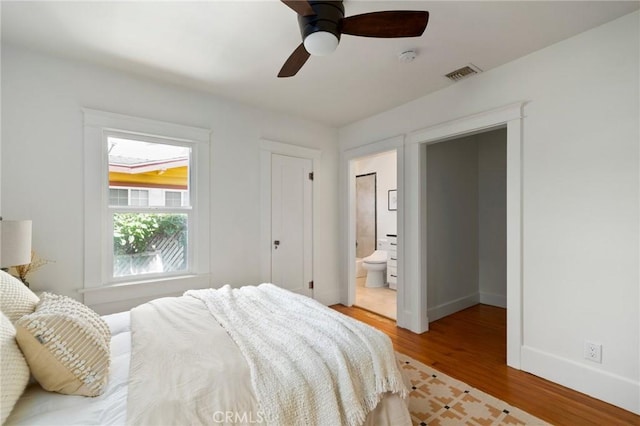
(118, 197)
(172, 199)
(139, 197)
(157, 167)
(149, 243)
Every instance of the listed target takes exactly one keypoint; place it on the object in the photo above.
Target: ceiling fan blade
(389, 24)
(301, 7)
(295, 62)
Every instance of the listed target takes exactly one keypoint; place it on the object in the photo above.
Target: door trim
(267, 148)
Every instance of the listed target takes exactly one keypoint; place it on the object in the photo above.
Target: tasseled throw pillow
(66, 345)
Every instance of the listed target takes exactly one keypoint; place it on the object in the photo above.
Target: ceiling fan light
(321, 43)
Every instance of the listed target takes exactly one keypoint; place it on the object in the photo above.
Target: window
(148, 238)
(146, 205)
(172, 199)
(118, 197)
(139, 197)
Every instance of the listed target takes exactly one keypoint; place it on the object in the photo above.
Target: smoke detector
(464, 72)
(407, 56)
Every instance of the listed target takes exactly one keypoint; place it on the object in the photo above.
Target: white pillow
(14, 370)
(16, 300)
(66, 345)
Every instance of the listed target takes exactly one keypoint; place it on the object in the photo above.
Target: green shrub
(135, 232)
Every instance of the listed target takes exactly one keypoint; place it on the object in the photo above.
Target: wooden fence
(169, 254)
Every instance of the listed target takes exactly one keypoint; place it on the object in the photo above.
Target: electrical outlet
(593, 351)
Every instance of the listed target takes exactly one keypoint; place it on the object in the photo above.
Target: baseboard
(453, 306)
(498, 300)
(608, 387)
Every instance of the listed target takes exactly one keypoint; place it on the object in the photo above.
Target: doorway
(375, 225)
(414, 302)
(466, 223)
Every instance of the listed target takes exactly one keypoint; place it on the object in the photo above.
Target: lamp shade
(15, 242)
(321, 43)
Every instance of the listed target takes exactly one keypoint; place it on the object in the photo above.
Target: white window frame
(98, 261)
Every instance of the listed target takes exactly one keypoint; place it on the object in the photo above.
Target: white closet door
(291, 223)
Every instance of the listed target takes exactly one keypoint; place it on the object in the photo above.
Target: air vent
(463, 72)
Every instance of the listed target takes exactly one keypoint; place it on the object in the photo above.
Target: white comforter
(309, 364)
(231, 386)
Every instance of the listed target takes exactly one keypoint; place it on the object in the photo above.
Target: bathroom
(376, 232)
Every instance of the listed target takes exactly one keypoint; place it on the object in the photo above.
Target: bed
(173, 362)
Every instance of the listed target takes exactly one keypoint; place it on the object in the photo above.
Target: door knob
(276, 243)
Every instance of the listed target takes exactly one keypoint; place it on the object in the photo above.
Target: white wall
(452, 226)
(42, 139)
(385, 167)
(492, 219)
(580, 198)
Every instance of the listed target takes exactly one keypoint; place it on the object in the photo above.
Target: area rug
(437, 399)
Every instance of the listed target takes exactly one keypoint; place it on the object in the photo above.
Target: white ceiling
(235, 49)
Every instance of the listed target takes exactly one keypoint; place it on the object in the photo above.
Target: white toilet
(376, 267)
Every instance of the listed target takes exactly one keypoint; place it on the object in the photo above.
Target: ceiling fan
(322, 23)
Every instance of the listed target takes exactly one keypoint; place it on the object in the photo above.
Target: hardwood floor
(471, 346)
